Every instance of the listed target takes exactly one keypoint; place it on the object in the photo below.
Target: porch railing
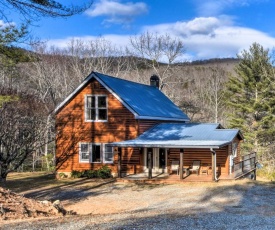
(245, 166)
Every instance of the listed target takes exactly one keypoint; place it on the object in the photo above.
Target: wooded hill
(199, 88)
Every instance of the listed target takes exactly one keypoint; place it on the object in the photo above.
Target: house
(135, 128)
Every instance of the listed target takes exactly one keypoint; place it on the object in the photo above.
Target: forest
(237, 93)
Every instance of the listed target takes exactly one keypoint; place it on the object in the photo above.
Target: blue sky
(208, 28)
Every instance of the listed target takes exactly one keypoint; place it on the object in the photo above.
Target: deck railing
(245, 166)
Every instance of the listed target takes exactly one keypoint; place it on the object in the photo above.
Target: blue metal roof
(183, 135)
(145, 101)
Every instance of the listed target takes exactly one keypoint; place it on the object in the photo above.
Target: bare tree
(32, 9)
(215, 93)
(158, 53)
(19, 133)
(97, 55)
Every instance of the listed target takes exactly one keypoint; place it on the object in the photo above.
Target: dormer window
(96, 108)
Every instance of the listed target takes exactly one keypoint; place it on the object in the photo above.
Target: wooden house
(135, 128)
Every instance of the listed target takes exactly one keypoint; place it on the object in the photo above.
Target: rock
(45, 202)
(58, 206)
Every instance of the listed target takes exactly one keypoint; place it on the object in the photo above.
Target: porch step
(170, 179)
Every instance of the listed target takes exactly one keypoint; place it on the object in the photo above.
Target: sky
(208, 28)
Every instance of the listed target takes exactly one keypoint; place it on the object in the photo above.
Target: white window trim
(90, 147)
(80, 153)
(96, 106)
(108, 162)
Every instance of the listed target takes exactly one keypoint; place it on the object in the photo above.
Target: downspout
(215, 163)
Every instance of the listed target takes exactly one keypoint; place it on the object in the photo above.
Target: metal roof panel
(183, 134)
(145, 100)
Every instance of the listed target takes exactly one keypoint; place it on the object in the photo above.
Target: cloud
(118, 41)
(211, 37)
(214, 7)
(116, 12)
(198, 26)
(204, 37)
(6, 24)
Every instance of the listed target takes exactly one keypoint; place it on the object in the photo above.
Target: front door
(158, 160)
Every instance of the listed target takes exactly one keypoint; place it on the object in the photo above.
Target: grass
(26, 181)
(42, 181)
(21, 182)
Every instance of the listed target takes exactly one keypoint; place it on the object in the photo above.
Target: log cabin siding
(72, 129)
(238, 158)
(204, 155)
(144, 125)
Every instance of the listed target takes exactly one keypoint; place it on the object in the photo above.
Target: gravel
(225, 205)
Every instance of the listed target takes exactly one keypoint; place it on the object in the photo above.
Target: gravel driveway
(225, 205)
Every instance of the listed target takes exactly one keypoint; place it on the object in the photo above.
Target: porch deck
(165, 178)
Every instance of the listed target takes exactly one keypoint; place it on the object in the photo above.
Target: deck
(165, 178)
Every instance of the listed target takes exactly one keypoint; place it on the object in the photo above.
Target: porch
(165, 178)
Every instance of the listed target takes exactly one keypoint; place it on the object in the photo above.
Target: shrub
(90, 174)
(76, 174)
(104, 172)
(62, 175)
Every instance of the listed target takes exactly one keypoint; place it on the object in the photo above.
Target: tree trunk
(3, 179)
(46, 142)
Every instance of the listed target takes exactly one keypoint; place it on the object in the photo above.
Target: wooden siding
(238, 157)
(144, 125)
(72, 129)
(131, 161)
(204, 155)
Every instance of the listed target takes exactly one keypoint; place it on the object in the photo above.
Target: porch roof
(183, 135)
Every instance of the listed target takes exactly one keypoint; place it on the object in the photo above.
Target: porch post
(119, 162)
(181, 164)
(149, 155)
(213, 164)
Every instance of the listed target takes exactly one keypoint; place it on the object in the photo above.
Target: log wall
(204, 155)
(72, 128)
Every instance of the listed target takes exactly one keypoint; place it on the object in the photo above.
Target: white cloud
(216, 7)
(6, 24)
(202, 25)
(204, 38)
(117, 12)
(213, 37)
(119, 41)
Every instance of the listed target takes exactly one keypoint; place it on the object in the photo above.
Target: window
(96, 153)
(92, 153)
(108, 154)
(84, 155)
(96, 108)
(234, 149)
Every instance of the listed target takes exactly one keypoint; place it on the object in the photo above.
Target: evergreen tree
(252, 98)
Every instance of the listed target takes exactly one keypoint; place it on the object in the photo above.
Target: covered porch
(178, 164)
(181, 150)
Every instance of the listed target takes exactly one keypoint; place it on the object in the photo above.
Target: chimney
(154, 81)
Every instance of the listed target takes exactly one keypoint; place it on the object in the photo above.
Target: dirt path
(110, 205)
